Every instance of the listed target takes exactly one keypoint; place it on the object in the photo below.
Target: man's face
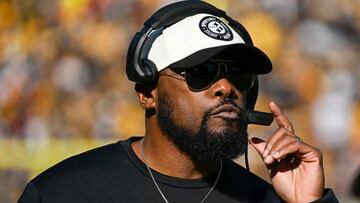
(208, 124)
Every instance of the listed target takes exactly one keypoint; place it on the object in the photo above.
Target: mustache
(225, 102)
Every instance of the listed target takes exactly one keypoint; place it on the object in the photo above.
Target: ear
(146, 97)
(146, 101)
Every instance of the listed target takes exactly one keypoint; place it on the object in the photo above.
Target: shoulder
(96, 175)
(87, 164)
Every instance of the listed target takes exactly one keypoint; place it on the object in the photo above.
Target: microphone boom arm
(259, 118)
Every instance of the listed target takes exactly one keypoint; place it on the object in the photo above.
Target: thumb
(258, 144)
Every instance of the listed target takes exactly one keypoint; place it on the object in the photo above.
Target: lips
(227, 111)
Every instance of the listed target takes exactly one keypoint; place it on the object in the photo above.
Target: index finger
(280, 117)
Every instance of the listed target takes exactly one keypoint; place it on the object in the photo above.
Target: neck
(164, 157)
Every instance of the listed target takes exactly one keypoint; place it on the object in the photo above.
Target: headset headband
(143, 71)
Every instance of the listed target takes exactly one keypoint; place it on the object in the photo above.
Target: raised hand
(295, 168)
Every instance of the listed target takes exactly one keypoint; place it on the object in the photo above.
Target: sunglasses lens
(242, 81)
(201, 76)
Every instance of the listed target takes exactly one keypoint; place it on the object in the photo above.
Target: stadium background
(63, 88)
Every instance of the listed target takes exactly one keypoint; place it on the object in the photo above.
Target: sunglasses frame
(220, 64)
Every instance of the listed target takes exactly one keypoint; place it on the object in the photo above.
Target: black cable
(246, 158)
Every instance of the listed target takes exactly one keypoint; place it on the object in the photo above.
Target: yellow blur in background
(63, 88)
(36, 157)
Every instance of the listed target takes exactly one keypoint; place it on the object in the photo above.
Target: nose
(223, 88)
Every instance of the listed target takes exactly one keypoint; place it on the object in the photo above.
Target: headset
(143, 71)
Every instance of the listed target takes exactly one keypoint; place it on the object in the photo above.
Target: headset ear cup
(252, 95)
(151, 73)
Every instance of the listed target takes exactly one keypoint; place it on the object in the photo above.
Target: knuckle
(318, 152)
(289, 134)
(283, 130)
(292, 141)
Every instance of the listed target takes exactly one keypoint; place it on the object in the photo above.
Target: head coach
(196, 76)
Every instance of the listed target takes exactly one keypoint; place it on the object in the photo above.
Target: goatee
(203, 144)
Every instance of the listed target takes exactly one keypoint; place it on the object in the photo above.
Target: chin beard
(204, 144)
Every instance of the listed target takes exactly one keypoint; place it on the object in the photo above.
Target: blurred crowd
(62, 71)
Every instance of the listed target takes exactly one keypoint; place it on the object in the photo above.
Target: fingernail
(255, 140)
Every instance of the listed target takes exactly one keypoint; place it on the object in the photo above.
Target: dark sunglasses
(202, 76)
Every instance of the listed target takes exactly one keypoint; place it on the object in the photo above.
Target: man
(195, 71)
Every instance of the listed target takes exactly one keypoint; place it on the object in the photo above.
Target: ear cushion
(150, 71)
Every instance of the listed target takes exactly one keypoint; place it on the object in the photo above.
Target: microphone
(259, 118)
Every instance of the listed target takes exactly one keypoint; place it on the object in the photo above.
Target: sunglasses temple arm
(259, 118)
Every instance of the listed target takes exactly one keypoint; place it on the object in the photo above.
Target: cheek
(188, 112)
(186, 107)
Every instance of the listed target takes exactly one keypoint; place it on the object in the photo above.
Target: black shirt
(113, 173)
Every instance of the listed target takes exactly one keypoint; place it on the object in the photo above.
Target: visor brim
(260, 62)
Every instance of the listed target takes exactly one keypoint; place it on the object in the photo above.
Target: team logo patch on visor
(215, 28)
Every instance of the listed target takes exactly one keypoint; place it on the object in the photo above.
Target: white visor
(197, 38)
